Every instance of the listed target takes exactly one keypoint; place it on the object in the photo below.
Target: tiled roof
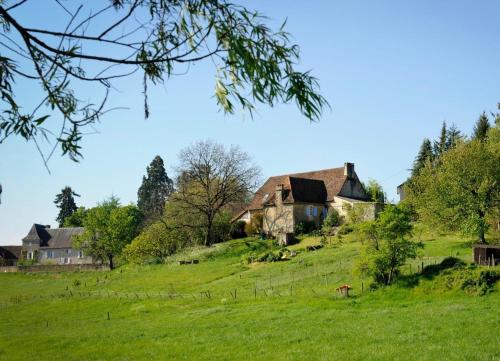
(333, 179)
(53, 238)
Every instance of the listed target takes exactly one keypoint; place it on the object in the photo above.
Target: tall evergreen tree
(453, 137)
(481, 127)
(65, 201)
(424, 154)
(441, 146)
(154, 191)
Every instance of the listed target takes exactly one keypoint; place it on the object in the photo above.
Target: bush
(304, 227)
(345, 229)
(482, 283)
(238, 230)
(222, 227)
(333, 218)
(255, 226)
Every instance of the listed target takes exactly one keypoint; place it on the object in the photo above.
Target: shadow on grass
(429, 272)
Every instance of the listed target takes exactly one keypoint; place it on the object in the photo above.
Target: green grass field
(224, 309)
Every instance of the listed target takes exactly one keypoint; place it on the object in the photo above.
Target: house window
(67, 260)
(50, 254)
(310, 210)
(30, 255)
(80, 254)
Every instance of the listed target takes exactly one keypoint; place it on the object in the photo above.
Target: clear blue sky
(393, 71)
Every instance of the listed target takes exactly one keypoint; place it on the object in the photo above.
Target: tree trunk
(209, 235)
(111, 265)
(481, 235)
(481, 227)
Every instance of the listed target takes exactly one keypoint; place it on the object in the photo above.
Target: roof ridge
(310, 171)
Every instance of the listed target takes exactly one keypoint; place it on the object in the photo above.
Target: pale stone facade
(287, 200)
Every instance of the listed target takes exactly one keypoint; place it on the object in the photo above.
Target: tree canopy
(462, 190)
(375, 191)
(154, 191)
(92, 46)
(211, 177)
(388, 245)
(481, 127)
(65, 201)
(108, 228)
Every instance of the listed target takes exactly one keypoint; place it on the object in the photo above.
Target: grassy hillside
(225, 309)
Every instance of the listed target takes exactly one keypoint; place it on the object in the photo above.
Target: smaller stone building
(9, 255)
(53, 246)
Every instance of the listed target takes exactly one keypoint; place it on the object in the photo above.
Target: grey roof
(53, 238)
(10, 252)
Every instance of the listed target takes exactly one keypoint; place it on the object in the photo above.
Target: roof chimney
(279, 193)
(349, 170)
(47, 226)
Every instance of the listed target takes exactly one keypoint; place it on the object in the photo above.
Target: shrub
(481, 283)
(222, 227)
(333, 218)
(345, 229)
(304, 227)
(255, 226)
(238, 230)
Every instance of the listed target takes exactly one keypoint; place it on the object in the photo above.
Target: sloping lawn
(225, 309)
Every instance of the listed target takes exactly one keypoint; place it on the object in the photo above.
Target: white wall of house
(63, 256)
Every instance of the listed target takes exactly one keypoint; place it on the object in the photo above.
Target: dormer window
(266, 196)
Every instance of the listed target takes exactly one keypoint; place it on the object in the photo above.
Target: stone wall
(8, 269)
(278, 219)
(63, 268)
(300, 213)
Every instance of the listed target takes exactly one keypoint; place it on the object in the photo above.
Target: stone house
(9, 255)
(53, 246)
(288, 199)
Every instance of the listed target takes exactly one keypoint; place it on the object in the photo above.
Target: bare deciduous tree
(211, 177)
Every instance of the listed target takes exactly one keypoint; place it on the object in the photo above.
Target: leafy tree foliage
(481, 127)
(154, 191)
(388, 247)
(154, 244)
(108, 228)
(238, 230)
(89, 47)
(375, 191)
(211, 177)
(65, 201)
(332, 219)
(174, 231)
(76, 219)
(460, 192)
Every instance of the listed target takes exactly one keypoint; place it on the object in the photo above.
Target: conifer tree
(425, 154)
(65, 201)
(155, 189)
(453, 137)
(481, 127)
(441, 146)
